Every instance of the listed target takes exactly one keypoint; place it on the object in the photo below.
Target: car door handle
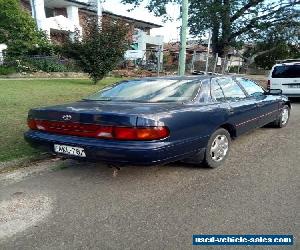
(260, 105)
(230, 111)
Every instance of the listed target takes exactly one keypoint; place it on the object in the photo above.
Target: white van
(286, 76)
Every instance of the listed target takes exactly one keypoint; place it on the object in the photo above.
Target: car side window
(251, 87)
(216, 91)
(231, 89)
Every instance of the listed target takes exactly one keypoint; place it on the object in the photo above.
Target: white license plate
(69, 150)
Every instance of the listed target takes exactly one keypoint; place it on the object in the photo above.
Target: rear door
(267, 105)
(242, 110)
(287, 78)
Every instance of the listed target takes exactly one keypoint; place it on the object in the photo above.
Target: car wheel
(217, 148)
(283, 118)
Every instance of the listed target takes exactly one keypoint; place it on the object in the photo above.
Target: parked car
(158, 120)
(286, 76)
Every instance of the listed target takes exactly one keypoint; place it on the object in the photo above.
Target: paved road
(82, 206)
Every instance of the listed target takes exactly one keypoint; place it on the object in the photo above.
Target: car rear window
(286, 71)
(146, 90)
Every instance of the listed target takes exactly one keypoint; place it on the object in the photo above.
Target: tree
(18, 30)
(99, 50)
(278, 42)
(231, 21)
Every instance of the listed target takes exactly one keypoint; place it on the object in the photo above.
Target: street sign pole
(183, 34)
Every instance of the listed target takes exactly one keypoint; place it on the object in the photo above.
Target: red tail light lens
(99, 131)
(152, 133)
(124, 133)
(269, 84)
(31, 124)
(142, 134)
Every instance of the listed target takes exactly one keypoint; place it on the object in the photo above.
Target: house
(194, 51)
(62, 18)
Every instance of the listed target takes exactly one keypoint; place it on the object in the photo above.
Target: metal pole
(158, 59)
(216, 62)
(239, 66)
(193, 62)
(208, 49)
(183, 34)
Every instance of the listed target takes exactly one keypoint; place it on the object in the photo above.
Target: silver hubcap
(284, 116)
(219, 148)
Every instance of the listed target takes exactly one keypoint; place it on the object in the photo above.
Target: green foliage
(100, 49)
(18, 30)
(47, 65)
(278, 43)
(6, 70)
(232, 21)
(281, 51)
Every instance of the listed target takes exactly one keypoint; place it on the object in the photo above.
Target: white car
(286, 76)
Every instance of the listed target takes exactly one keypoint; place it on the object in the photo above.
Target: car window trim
(210, 91)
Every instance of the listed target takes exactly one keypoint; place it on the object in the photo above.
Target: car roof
(189, 77)
(287, 63)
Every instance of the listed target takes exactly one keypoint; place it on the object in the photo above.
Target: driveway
(69, 205)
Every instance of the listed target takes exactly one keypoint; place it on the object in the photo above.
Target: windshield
(158, 90)
(286, 71)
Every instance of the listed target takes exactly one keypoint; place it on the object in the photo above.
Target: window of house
(231, 89)
(49, 12)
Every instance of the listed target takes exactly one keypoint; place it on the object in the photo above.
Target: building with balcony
(62, 18)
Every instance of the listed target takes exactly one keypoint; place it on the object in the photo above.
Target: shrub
(100, 49)
(6, 70)
(18, 30)
(47, 65)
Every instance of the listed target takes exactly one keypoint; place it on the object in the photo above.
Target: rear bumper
(291, 92)
(120, 152)
(293, 95)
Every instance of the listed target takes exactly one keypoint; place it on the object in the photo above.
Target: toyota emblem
(66, 117)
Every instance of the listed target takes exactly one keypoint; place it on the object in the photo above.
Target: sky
(170, 31)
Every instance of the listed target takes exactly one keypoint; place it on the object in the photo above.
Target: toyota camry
(154, 121)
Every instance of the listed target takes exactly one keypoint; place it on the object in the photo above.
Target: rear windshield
(162, 90)
(286, 71)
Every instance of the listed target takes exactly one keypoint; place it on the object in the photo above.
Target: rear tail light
(99, 131)
(142, 134)
(31, 124)
(269, 85)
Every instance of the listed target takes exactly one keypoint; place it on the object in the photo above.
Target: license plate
(69, 150)
(294, 86)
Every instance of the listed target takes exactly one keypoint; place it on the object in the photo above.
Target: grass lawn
(18, 96)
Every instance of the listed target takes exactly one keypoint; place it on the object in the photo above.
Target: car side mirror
(274, 92)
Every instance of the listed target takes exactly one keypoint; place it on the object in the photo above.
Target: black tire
(209, 158)
(280, 122)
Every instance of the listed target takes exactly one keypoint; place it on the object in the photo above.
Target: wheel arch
(288, 103)
(230, 128)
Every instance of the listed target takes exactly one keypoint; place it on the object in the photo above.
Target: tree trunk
(215, 38)
(226, 29)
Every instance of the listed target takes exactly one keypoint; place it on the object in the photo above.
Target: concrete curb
(8, 166)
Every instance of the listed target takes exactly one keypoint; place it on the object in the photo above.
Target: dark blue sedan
(154, 121)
